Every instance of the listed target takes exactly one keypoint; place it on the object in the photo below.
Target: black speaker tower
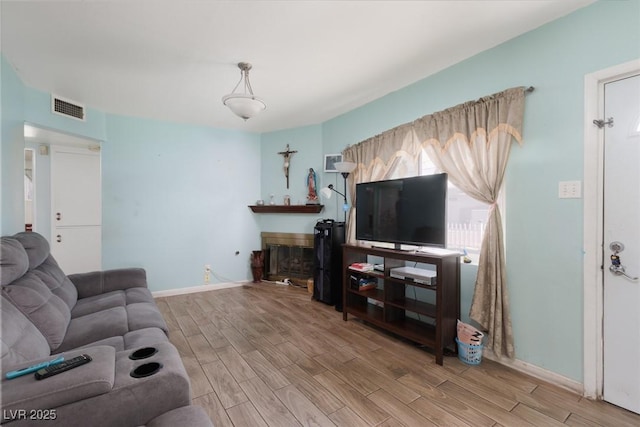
(329, 235)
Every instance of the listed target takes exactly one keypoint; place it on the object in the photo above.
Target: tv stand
(388, 307)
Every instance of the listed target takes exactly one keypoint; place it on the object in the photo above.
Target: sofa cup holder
(146, 370)
(143, 353)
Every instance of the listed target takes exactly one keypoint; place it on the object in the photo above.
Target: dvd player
(420, 275)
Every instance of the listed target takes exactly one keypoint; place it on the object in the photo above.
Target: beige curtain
(392, 154)
(471, 143)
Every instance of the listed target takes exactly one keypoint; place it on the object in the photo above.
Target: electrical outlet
(570, 189)
(207, 273)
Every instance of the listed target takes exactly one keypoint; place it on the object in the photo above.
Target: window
(466, 216)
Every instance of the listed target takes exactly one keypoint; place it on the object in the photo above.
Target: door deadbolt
(616, 247)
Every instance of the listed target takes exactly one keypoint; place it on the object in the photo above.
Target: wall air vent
(67, 108)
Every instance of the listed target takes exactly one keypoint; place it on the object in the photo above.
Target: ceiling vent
(67, 108)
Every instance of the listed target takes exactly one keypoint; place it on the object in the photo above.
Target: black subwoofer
(328, 238)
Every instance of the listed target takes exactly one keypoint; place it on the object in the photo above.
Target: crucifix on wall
(287, 157)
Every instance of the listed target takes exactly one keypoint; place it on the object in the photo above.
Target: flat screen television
(410, 211)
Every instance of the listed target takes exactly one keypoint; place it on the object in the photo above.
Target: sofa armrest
(23, 395)
(100, 282)
(133, 400)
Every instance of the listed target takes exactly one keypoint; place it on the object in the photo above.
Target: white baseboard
(194, 289)
(537, 372)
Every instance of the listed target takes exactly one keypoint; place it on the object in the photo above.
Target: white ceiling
(312, 60)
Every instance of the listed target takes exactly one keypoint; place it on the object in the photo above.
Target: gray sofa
(136, 376)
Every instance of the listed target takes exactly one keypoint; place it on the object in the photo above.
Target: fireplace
(288, 255)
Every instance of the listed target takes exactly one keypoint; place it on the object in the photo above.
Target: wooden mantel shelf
(286, 208)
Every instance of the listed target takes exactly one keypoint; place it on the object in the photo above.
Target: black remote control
(62, 367)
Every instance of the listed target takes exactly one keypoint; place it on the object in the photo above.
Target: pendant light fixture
(246, 104)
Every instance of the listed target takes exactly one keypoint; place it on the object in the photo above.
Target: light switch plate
(570, 189)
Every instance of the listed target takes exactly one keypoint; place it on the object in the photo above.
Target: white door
(621, 327)
(76, 208)
(77, 249)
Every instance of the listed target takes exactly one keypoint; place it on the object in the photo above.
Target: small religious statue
(287, 156)
(312, 188)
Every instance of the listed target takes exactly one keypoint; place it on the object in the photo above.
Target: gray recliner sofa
(136, 376)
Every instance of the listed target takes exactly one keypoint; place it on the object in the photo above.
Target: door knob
(616, 266)
(619, 270)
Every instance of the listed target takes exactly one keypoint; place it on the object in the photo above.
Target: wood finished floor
(267, 355)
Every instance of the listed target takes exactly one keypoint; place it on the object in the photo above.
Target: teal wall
(544, 234)
(22, 104)
(308, 142)
(175, 196)
(165, 186)
(11, 151)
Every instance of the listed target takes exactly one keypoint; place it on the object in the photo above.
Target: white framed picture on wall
(330, 161)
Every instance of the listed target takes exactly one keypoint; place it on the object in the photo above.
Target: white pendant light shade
(246, 104)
